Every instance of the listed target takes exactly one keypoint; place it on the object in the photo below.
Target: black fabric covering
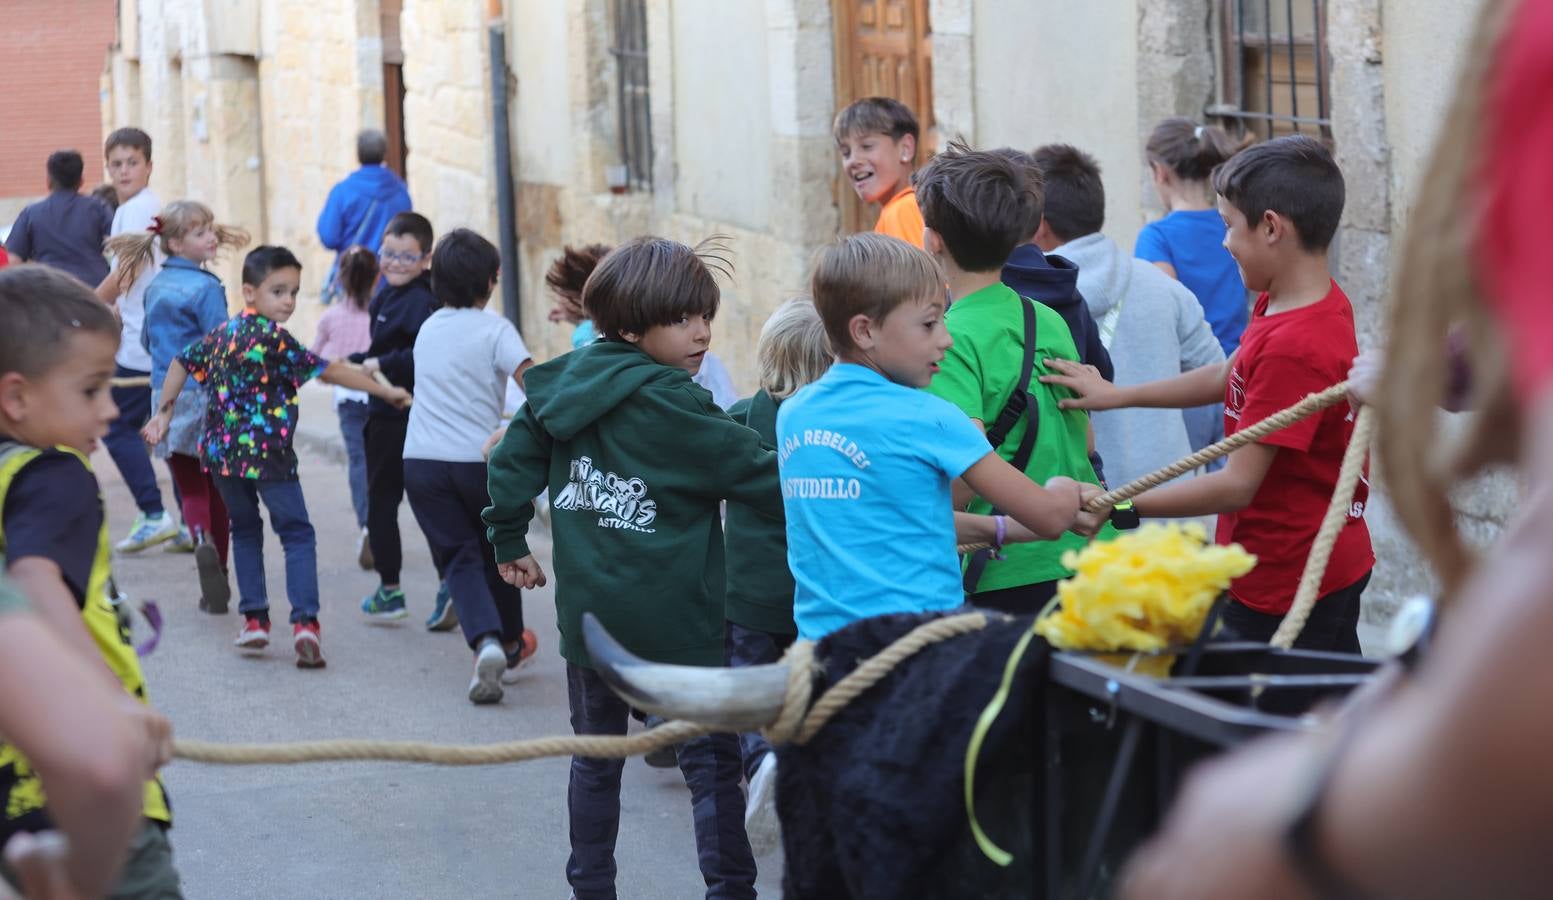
(873, 806)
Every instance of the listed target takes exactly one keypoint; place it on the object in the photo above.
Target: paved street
(372, 830)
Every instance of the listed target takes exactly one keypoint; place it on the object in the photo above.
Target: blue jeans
(353, 422)
(751, 647)
(288, 516)
(125, 446)
(1205, 426)
(710, 765)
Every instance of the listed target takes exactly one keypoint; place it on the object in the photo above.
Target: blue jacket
(1053, 281)
(183, 304)
(358, 209)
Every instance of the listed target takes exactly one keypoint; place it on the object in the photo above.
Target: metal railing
(633, 98)
(1273, 71)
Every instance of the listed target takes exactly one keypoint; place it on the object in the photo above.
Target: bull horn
(741, 699)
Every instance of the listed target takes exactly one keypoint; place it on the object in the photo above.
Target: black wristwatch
(1302, 839)
(1124, 516)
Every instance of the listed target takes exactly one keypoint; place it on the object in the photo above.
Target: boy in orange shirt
(877, 137)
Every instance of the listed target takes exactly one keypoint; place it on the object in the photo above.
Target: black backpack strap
(1021, 404)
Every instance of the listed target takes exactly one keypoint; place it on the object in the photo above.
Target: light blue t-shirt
(866, 466)
(1192, 241)
(584, 334)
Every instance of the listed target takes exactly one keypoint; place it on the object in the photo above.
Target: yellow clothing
(901, 218)
(20, 789)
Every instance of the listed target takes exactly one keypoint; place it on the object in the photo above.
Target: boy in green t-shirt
(977, 207)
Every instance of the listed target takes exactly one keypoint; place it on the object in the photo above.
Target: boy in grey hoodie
(1151, 324)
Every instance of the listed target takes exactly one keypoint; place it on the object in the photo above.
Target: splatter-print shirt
(251, 368)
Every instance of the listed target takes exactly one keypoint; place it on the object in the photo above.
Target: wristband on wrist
(1001, 524)
(1302, 839)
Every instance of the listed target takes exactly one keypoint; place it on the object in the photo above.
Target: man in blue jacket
(360, 206)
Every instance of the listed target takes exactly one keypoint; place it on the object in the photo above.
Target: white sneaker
(490, 663)
(760, 814)
(148, 531)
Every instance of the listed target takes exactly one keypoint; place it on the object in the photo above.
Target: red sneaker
(255, 634)
(520, 658)
(304, 636)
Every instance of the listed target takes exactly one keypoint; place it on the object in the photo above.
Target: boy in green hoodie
(636, 458)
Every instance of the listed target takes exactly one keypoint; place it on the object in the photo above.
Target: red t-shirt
(1516, 184)
(1282, 358)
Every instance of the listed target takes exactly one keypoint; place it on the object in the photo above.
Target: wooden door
(884, 48)
(393, 87)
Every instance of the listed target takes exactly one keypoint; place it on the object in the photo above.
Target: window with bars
(633, 100)
(1273, 68)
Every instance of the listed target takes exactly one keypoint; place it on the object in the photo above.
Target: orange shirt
(901, 218)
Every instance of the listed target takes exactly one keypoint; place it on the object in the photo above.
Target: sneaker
(215, 591)
(444, 617)
(385, 605)
(304, 637)
(255, 634)
(182, 542)
(760, 815)
(663, 757)
(364, 552)
(521, 657)
(148, 531)
(490, 661)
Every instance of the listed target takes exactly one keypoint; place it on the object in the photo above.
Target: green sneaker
(385, 605)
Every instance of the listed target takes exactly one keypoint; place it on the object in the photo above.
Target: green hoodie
(637, 458)
(760, 585)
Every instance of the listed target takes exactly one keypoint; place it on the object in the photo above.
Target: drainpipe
(506, 202)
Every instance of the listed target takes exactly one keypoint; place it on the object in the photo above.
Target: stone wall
(741, 100)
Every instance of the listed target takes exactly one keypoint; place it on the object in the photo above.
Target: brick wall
(51, 62)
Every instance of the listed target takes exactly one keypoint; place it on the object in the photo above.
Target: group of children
(917, 399)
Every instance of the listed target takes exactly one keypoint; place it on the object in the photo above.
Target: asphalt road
(375, 830)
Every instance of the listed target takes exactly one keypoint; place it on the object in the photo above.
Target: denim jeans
(288, 516)
(752, 647)
(1205, 426)
(447, 498)
(126, 447)
(710, 765)
(353, 422)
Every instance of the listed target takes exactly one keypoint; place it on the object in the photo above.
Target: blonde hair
(868, 274)
(793, 350)
(136, 250)
(1434, 293)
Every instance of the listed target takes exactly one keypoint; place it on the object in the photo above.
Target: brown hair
(876, 115)
(569, 272)
(136, 249)
(357, 274)
(650, 281)
(1191, 150)
(793, 350)
(41, 307)
(133, 138)
(982, 204)
(1294, 176)
(1433, 294)
(1075, 193)
(869, 274)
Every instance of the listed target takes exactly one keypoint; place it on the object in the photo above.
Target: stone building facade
(692, 118)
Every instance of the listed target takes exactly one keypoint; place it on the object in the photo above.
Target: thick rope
(797, 721)
(1313, 403)
(1326, 538)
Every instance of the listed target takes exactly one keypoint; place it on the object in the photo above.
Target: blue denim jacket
(183, 304)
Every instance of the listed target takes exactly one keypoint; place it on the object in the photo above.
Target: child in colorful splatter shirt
(252, 367)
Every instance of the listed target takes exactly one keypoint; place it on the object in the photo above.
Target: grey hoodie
(1158, 331)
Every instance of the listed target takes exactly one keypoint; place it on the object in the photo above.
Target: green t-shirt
(979, 374)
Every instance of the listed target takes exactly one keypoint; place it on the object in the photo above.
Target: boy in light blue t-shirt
(866, 458)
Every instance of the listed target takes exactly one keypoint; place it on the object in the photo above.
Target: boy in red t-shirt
(1281, 201)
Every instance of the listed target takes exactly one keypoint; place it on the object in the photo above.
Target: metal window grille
(1273, 69)
(633, 100)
